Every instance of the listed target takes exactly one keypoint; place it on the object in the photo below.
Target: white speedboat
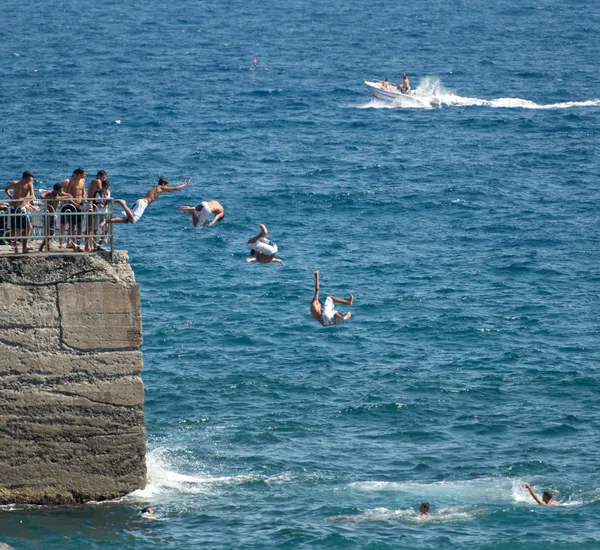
(410, 99)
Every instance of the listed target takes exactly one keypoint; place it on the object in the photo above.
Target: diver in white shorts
(262, 249)
(325, 313)
(203, 211)
(133, 215)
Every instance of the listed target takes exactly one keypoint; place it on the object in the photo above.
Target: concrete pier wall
(71, 394)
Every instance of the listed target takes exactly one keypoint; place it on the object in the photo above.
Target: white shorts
(137, 210)
(328, 312)
(264, 246)
(203, 211)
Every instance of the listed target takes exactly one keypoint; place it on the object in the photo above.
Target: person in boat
(404, 86)
(325, 313)
(424, 508)
(203, 211)
(262, 250)
(546, 499)
(384, 83)
(133, 215)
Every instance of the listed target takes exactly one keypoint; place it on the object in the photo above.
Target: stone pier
(71, 393)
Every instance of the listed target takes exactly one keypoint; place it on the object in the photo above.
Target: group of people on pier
(76, 209)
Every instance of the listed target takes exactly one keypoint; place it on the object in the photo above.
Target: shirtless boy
(203, 211)
(22, 193)
(72, 210)
(405, 86)
(325, 313)
(94, 193)
(133, 215)
(546, 499)
(262, 249)
(53, 199)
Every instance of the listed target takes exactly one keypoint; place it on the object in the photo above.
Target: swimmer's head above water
(424, 508)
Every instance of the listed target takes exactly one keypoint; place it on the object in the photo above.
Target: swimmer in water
(546, 499)
(325, 313)
(147, 510)
(424, 508)
(262, 249)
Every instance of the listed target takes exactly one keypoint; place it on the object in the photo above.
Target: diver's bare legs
(129, 217)
(192, 212)
(348, 302)
(263, 233)
(339, 318)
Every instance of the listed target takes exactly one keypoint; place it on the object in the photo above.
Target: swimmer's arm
(277, 260)
(316, 298)
(248, 260)
(217, 218)
(535, 497)
(178, 187)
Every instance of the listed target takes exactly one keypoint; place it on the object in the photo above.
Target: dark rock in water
(71, 393)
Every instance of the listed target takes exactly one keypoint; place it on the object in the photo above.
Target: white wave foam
(430, 87)
(477, 491)
(409, 515)
(162, 479)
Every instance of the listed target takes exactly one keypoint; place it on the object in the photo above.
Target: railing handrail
(25, 219)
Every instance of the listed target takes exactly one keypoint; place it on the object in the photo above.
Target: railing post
(112, 232)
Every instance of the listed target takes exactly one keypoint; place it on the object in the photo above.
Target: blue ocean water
(468, 235)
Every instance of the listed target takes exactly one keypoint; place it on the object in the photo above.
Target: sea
(468, 234)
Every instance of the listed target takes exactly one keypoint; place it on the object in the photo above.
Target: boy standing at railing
(76, 188)
(22, 193)
(52, 199)
(91, 206)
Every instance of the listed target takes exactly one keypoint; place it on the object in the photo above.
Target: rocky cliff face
(71, 394)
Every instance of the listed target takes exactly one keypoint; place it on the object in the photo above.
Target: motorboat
(390, 93)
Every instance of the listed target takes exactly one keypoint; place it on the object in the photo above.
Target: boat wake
(430, 88)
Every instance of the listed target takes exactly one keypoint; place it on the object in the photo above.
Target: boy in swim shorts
(262, 249)
(203, 211)
(326, 313)
(132, 216)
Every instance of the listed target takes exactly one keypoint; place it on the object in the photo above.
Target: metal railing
(51, 225)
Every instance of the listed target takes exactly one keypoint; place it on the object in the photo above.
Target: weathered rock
(71, 393)
(112, 309)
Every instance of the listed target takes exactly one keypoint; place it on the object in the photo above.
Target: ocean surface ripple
(467, 233)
